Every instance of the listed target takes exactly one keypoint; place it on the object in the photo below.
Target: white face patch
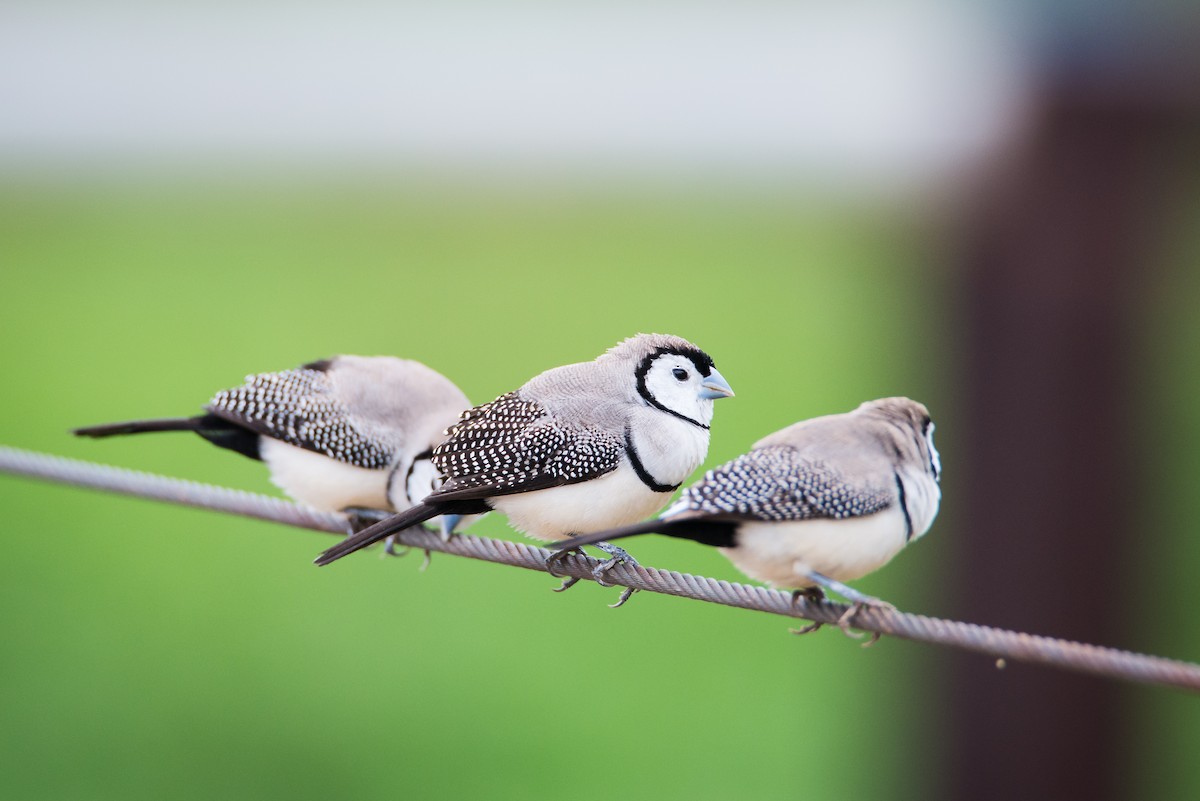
(935, 461)
(422, 480)
(674, 383)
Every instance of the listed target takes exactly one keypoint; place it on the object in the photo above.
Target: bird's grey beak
(715, 386)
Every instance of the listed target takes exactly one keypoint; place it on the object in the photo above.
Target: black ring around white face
(700, 360)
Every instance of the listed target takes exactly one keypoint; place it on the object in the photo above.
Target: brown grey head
(915, 427)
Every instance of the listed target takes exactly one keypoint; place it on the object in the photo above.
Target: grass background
(152, 651)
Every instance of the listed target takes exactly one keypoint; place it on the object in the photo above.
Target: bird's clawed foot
(812, 595)
(390, 549)
(858, 602)
(848, 616)
(616, 555)
(552, 561)
(625, 595)
(359, 517)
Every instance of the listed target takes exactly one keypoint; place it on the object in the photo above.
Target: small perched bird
(819, 503)
(347, 433)
(577, 449)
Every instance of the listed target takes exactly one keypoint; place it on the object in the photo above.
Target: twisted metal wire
(1000, 643)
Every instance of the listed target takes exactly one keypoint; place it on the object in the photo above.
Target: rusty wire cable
(999, 643)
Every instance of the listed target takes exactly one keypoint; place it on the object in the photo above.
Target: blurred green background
(153, 650)
(187, 198)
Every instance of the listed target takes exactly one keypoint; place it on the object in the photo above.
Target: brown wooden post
(1054, 260)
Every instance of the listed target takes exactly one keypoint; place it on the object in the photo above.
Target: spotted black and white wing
(299, 408)
(779, 484)
(513, 445)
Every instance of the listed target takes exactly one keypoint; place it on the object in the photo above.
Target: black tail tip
(343, 548)
(92, 432)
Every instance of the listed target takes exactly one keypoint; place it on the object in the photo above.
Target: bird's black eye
(680, 373)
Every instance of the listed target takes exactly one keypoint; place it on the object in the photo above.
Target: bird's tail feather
(140, 427)
(381, 530)
(697, 527)
(220, 432)
(608, 535)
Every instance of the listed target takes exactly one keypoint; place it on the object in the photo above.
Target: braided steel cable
(1000, 643)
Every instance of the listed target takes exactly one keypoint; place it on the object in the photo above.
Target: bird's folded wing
(513, 445)
(299, 408)
(780, 484)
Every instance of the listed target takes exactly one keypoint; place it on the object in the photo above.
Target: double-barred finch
(351, 432)
(577, 449)
(819, 503)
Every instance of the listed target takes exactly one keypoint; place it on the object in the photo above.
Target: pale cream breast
(616, 498)
(847, 549)
(320, 481)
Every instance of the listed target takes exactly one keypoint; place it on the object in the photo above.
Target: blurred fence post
(1055, 257)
